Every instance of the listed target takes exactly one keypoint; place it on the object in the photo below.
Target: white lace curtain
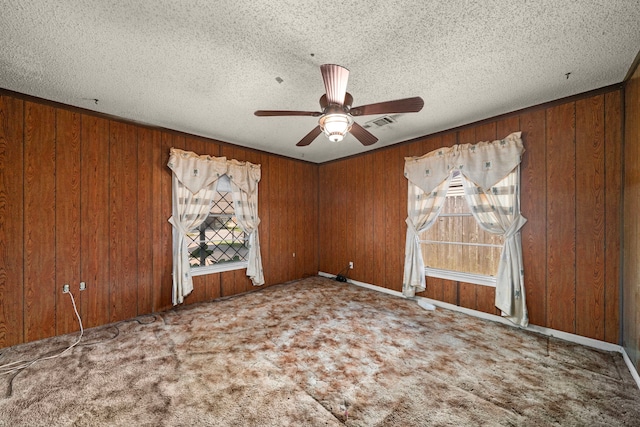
(244, 178)
(423, 209)
(194, 181)
(491, 178)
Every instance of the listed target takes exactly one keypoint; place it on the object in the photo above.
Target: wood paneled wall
(571, 195)
(631, 282)
(87, 198)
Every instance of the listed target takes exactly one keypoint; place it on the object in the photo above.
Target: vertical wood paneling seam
(575, 222)
(605, 215)
(108, 203)
(318, 245)
(24, 222)
(137, 223)
(546, 192)
(620, 214)
(79, 302)
(546, 220)
(57, 300)
(137, 245)
(456, 142)
(623, 141)
(547, 289)
(152, 201)
(152, 259)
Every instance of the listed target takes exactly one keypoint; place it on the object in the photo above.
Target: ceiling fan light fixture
(336, 118)
(336, 126)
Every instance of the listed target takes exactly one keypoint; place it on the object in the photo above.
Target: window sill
(458, 276)
(219, 268)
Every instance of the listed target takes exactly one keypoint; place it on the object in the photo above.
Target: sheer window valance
(484, 163)
(194, 183)
(491, 179)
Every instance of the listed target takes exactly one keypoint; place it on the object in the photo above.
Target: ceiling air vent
(379, 122)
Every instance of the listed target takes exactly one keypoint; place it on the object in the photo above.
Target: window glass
(456, 242)
(218, 240)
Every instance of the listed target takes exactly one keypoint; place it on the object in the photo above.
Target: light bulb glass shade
(335, 126)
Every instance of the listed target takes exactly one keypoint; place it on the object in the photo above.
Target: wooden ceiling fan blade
(335, 80)
(363, 135)
(271, 113)
(406, 105)
(308, 139)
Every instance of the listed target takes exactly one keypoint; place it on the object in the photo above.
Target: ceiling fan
(336, 117)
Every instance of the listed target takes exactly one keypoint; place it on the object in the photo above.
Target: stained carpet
(315, 352)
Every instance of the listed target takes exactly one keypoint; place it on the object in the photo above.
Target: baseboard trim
(365, 285)
(566, 336)
(632, 368)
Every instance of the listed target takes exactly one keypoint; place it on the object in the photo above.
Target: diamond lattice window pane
(219, 239)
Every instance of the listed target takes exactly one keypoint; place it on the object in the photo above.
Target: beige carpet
(315, 353)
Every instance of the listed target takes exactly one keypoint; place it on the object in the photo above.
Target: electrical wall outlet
(351, 265)
(83, 286)
(65, 288)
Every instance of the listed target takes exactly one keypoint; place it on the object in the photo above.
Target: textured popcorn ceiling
(204, 67)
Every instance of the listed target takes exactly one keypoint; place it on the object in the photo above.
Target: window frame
(455, 275)
(459, 276)
(218, 268)
(223, 186)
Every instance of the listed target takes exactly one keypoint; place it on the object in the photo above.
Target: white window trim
(218, 268)
(458, 276)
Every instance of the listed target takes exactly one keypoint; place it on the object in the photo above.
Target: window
(223, 194)
(491, 182)
(456, 247)
(218, 244)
